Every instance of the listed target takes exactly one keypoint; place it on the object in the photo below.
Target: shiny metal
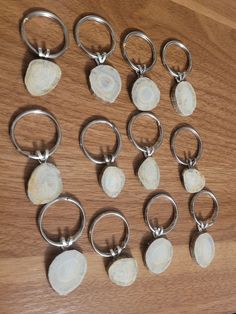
(39, 51)
(148, 151)
(99, 58)
(118, 249)
(160, 230)
(179, 76)
(193, 160)
(107, 159)
(140, 70)
(38, 156)
(202, 225)
(63, 243)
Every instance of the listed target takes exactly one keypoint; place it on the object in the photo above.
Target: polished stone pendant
(112, 181)
(203, 249)
(184, 98)
(194, 181)
(149, 173)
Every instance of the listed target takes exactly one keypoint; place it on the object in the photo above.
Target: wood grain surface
(208, 29)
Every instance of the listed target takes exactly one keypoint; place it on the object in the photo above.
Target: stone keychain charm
(202, 247)
(148, 172)
(67, 270)
(160, 252)
(42, 75)
(145, 93)
(123, 269)
(183, 95)
(193, 179)
(105, 80)
(113, 178)
(45, 183)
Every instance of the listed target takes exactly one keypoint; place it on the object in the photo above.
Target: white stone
(105, 82)
(204, 249)
(41, 77)
(123, 271)
(184, 98)
(149, 173)
(194, 181)
(159, 255)
(67, 271)
(45, 184)
(113, 181)
(145, 94)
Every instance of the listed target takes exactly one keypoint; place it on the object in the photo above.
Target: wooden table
(208, 29)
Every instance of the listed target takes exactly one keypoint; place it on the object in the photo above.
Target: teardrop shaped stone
(204, 249)
(184, 98)
(194, 181)
(123, 271)
(45, 184)
(113, 181)
(149, 173)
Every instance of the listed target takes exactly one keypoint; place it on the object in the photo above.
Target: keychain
(193, 180)
(123, 269)
(145, 93)
(45, 183)
(42, 75)
(160, 252)
(183, 95)
(148, 172)
(67, 270)
(104, 80)
(202, 246)
(113, 178)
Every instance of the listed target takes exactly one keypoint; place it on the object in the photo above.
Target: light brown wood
(208, 29)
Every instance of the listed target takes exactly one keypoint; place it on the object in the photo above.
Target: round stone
(204, 249)
(194, 181)
(123, 271)
(113, 181)
(67, 271)
(184, 98)
(145, 94)
(159, 255)
(149, 173)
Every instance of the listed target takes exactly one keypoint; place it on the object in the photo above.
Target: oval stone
(184, 98)
(194, 181)
(159, 255)
(204, 249)
(113, 181)
(149, 173)
(123, 271)
(67, 271)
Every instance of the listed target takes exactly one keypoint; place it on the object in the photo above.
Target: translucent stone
(204, 249)
(113, 181)
(149, 173)
(123, 271)
(184, 98)
(194, 181)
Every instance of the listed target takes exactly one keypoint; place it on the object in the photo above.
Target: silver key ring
(39, 51)
(198, 153)
(63, 243)
(159, 230)
(202, 225)
(179, 76)
(97, 56)
(118, 140)
(40, 112)
(146, 150)
(138, 68)
(112, 252)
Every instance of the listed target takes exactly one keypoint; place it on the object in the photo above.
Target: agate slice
(184, 98)
(123, 271)
(194, 181)
(204, 249)
(149, 173)
(113, 181)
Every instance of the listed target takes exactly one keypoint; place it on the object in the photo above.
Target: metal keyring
(199, 148)
(146, 150)
(118, 140)
(202, 225)
(159, 230)
(63, 242)
(138, 68)
(39, 51)
(97, 56)
(29, 112)
(119, 248)
(179, 76)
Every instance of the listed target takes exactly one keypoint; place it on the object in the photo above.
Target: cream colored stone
(41, 77)
(149, 173)
(105, 82)
(184, 98)
(45, 184)
(123, 271)
(204, 249)
(67, 271)
(113, 181)
(194, 181)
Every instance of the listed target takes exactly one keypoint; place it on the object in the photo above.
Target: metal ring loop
(146, 150)
(207, 223)
(100, 20)
(118, 140)
(175, 209)
(176, 74)
(63, 243)
(138, 68)
(39, 52)
(199, 148)
(41, 112)
(124, 243)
